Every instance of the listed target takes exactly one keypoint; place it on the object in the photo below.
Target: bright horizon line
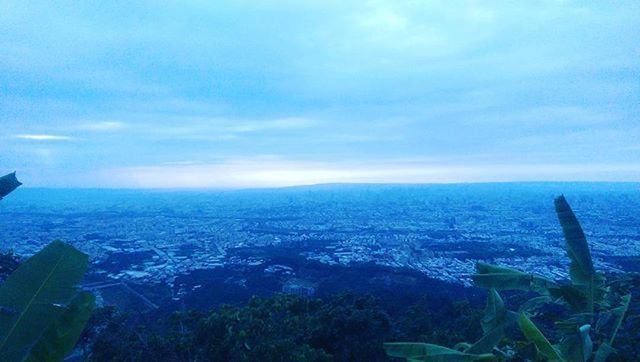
(213, 188)
(275, 173)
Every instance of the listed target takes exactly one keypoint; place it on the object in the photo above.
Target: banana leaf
(494, 322)
(462, 346)
(494, 312)
(432, 353)
(37, 294)
(491, 338)
(606, 321)
(8, 183)
(575, 298)
(58, 341)
(534, 304)
(577, 247)
(533, 334)
(581, 269)
(577, 347)
(603, 352)
(502, 278)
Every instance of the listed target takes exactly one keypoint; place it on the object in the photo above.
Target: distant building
(298, 288)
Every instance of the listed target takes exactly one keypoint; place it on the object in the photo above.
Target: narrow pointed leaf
(431, 353)
(534, 304)
(611, 320)
(501, 278)
(494, 312)
(494, 322)
(533, 334)
(583, 275)
(577, 248)
(578, 345)
(491, 338)
(462, 346)
(604, 351)
(62, 335)
(575, 297)
(487, 342)
(37, 293)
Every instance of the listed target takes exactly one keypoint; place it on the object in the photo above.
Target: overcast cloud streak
(334, 91)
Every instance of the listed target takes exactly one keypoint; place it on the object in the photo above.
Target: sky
(208, 94)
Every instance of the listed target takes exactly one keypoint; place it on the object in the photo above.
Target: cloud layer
(334, 91)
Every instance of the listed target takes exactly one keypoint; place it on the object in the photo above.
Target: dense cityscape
(157, 238)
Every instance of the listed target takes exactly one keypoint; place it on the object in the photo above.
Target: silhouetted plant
(588, 298)
(8, 183)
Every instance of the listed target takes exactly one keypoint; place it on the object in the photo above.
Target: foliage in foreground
(43, 312)
(592, 316)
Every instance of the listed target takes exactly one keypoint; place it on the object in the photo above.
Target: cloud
(273, 124)
(102, 126)
(182, 163)
(43, 137)
(325, 84)
(218, 129)
(275, 172)
(558, 116)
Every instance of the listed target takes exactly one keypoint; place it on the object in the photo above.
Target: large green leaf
(604, 351)
(35, 295)
(502, 278)
(494, 312)
(571, 324)
(431, 353)
(62, 335)
(581, 269)
(491, 338)
(575, 297)
(533, 334)
(494, 322)
(613, 317)
(534, 304)
(577, 346)
(577, 248)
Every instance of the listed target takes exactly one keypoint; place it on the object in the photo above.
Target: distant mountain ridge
(568, 185)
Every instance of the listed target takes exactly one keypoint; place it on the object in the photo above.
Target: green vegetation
(42, 312)
(43, 315)
(345, 327)
(587, 301)
(281, 328)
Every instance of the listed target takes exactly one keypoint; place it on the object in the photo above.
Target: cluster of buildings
(152, 238)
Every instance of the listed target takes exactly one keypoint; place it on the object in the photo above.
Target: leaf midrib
(36, 294)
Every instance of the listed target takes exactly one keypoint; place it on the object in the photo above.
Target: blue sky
(276, 93)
